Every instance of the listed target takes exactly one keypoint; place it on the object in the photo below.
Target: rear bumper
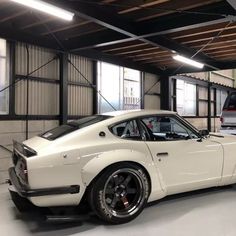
(24, 191)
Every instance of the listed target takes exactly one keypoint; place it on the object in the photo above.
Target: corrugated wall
(43, 96)
(151, 99)
(38, 56)
(80, 98)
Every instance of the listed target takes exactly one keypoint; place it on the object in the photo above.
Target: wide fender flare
(103, 160)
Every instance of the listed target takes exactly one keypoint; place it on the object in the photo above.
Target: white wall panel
(80, 100)
(43, 98)
(84, 65)
(37, 57)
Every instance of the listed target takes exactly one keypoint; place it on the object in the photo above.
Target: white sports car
(119, 161)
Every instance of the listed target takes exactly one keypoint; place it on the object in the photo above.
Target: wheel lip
(141, 198)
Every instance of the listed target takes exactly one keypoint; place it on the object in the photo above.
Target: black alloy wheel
(120, 193)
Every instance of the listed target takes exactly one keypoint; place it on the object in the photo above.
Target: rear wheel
(120, 193)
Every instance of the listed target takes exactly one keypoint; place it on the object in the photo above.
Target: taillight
(21, 170)
(25, 171)
(221, 120)
(26, 175)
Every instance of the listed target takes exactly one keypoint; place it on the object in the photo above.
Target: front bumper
(24, 191)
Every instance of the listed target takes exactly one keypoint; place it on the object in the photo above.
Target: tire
(120, 193)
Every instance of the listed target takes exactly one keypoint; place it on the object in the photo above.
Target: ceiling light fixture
(47, 8)
(188, 61)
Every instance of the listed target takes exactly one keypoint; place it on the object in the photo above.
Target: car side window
(164, 128)
(127, 130)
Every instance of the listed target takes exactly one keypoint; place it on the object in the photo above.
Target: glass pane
(109, 87)
(190, 99)
(3, 48)
(218, 102)
(186, 98)
(3, 83)
(224, 95)
(203, 108)
(131, 95)
(131, 74)
(120, 86)
(180, 97)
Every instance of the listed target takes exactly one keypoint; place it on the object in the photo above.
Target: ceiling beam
(97, 55)
(232, 3)
(16, 35)
(169, 24)
(17, 14)
(110, 20)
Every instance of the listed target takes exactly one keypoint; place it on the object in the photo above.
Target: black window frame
(110, 127)
(149, 138)
(72, 126)
(176, 117)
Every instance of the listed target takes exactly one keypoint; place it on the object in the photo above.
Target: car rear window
(72, 126)
(230, 103)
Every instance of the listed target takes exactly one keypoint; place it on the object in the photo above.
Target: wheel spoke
(114, 201)
(116, 179)
(109, 191)
(127, 180)
(125, 201)
(131, 190)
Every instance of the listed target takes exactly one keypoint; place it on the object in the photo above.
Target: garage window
(186, 98)
(4, 79)
(120, 86)
(220, 100)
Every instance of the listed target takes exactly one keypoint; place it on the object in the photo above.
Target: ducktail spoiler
(23, 149)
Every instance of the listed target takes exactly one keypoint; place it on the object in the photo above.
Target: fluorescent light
(188, 61)
(47, 8)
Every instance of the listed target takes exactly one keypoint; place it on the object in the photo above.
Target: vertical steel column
(12, 78)
(174, 92)
(63, 88)
(95, 95)
(197, 100)
(142, 90)
(166, 92)
(209, 107)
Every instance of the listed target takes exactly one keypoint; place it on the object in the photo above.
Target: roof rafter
(112, 21)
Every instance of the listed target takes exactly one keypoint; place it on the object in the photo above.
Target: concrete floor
(211, 212)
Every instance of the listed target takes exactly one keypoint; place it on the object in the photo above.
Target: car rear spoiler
(23, 149)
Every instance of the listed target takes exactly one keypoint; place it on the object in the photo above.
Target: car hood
(223, 138)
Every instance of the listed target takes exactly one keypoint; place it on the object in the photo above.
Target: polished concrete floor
(211, 212)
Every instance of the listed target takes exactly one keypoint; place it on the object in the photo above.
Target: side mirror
(204, 132)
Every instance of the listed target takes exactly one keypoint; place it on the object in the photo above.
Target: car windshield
(72, 126)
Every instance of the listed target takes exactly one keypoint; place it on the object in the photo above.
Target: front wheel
(120, 193)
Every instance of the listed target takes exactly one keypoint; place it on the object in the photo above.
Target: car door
(183, 161)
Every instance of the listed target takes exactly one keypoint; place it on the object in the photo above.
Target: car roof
(139, 112)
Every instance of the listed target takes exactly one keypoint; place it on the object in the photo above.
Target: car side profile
(119, 161)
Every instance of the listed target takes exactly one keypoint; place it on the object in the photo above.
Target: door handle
(162, 154)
